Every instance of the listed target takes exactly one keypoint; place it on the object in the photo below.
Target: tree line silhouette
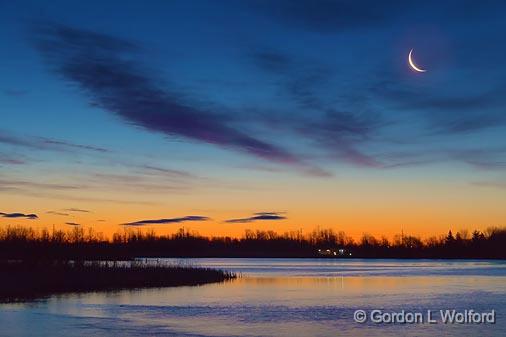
(26, 243)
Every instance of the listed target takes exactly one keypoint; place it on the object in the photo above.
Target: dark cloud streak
(100, 65)
(72, 224)
(57, 213)
(338, 131)
(41, 143)
(79, 210)
(261, 216)
(188, 218)
(19, 215)
(9, 160)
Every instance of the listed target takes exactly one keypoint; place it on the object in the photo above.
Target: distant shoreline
(31, 279)
(330, 258)
(25, 243)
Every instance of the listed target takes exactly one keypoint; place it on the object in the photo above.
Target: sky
(222, 116)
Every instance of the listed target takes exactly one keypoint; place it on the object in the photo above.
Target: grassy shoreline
(28, 280)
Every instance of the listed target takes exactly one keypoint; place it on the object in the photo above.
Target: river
(281, 297)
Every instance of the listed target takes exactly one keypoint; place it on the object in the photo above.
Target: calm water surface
(279, 297)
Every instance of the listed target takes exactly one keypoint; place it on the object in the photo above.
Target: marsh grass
(21, 280)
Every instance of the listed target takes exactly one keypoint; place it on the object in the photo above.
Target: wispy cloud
(25, 184)
(72, 224)
(447, 112)
(19, 215)
(97, 63)
(482, 158)
(166, 172)
(63, 144)
(339, 132)
(57, 213)
(10, 160)
(41, 143)
(65, 192)
(168, 220)
(152, 183)
(261, 216)
(79, 210)
(66, 197)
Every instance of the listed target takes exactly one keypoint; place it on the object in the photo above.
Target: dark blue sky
(316, 89)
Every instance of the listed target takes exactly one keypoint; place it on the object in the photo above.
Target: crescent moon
(412, 63)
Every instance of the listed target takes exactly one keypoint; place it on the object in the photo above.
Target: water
(279, 297)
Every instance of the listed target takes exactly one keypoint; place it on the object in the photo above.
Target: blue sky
(231, 94)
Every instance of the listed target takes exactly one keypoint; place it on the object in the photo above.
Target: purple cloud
(101, 66)
(19, 215)
(261, 216)
(5, 159)
(72, 224)
(338, 132)
(168, 221)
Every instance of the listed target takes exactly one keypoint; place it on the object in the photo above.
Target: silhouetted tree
(78, 244)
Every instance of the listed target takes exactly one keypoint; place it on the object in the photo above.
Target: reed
(20, 280)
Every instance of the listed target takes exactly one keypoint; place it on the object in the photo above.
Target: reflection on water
(278, 297)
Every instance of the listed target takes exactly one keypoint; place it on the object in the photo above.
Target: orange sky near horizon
(381, 207)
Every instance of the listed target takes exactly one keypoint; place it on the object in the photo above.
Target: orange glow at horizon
(369, 207)
(380, 204)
